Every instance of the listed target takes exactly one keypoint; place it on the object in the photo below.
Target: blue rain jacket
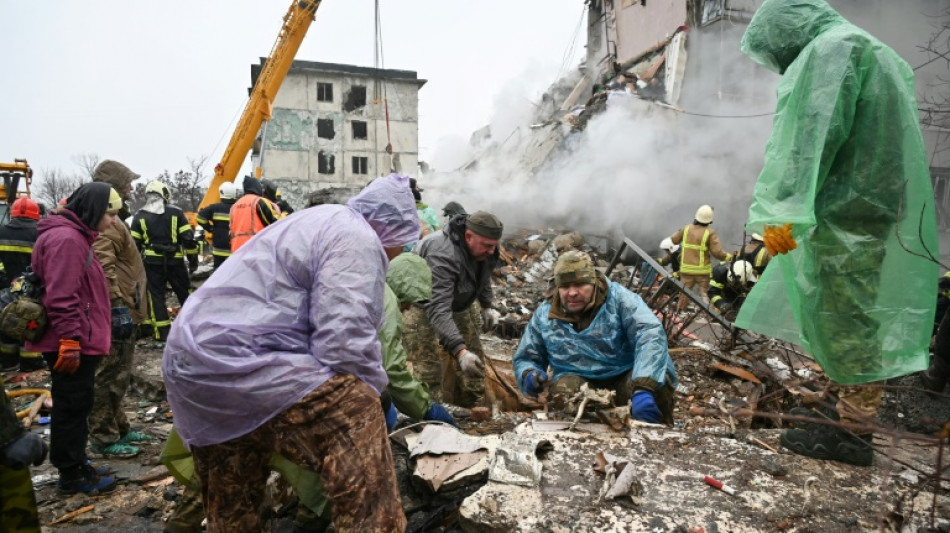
(624, 335)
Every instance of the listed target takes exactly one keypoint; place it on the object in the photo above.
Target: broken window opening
(325, 128)
(324, 92)
(325, 163)
(359, 129)
(355, 98)
(360, 165)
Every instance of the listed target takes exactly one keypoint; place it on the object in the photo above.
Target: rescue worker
(284, 205)
(756, 254)
(16, 249)
(699, 242)
(462, 257)
(845, 154)
(19, 449)
(729, 286)
(450, 210)
(595, 331)
(302, 377)
(163, 236)
(216, 220)
(427, 216)
(251, 213)
(109, 430)
(671, 256)
(408, 280)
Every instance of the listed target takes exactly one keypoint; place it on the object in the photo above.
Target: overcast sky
(154, 83)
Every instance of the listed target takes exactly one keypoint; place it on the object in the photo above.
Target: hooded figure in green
(846, 166)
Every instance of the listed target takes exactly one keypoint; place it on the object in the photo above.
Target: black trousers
(72, 402)
(161, 273)
(219, 260)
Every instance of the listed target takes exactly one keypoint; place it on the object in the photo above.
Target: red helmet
(25, 208)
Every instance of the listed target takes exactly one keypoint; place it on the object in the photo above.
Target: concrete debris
(517, 460)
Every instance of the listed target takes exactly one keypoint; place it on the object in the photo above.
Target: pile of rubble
(577, 464)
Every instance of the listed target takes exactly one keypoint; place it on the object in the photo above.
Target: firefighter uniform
(165, 240)
(699, 244)
(756, 254)
(16, 249)
(216, 219)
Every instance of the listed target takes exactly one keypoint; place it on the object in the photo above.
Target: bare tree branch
(52, 185)
(87, 162)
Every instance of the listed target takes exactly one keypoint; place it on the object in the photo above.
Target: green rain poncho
(846, 166)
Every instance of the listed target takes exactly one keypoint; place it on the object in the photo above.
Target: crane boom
(260, 103)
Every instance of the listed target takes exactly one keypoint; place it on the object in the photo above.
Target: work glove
(472, 365)
(122, 326)
(437, 412)
(68, 360)
(489, 321)
(391, 417)
(534, 382)
(643, 407)
(192, 263)
(28, 448)
(778, 239)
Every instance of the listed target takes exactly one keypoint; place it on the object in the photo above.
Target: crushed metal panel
(675, 67)
(436, 470)
(438, 439)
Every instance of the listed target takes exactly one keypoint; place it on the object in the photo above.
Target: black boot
(831, 444)
(818, 412)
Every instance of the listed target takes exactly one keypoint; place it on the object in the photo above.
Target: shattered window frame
(355, 98)
(325, 128)
(326, 163)
(324, 91)
(360, 165)
(360, 129)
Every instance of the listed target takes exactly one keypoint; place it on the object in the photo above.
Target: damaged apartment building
(336, 127)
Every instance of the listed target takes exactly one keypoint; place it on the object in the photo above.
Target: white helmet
(704, 215)
(226, 191)
(757, 237)
(742, 272)
(159, 188)
(667, 244)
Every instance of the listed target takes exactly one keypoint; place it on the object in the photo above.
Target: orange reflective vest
(244, 221)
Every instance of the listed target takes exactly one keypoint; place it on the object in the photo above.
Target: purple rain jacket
(298, 304)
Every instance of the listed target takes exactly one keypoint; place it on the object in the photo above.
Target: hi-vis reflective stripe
(222, 252)
(703, 267)
(23, 247)
(759, 257)
(222, 217)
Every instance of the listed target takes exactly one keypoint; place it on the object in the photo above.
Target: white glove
(489, 320)
(472, 365)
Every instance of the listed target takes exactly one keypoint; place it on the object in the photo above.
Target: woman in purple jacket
(77, 303)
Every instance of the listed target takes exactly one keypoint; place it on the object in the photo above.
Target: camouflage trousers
(337, 430)
(107, 422)
(437, 368)
(17, 502)
(624, 385)
(189, 512)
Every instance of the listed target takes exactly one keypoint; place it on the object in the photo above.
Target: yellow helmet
(158, 187)
(115, 201)
(704, 215)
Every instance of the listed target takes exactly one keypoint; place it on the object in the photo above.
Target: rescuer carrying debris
(699, 242)
(16, 249)
(251, 213)
(756, 254)
(596, 331)
(462, 257)
(846, 173)
(109, 430)
(165, 239)
(216, 219)
(729, 285)
(302, 377)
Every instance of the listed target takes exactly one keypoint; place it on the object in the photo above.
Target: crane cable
(378, 63)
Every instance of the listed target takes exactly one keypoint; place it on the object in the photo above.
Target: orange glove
(68, 360)
(779, 240)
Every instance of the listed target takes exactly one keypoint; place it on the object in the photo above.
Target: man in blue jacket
(596, 331)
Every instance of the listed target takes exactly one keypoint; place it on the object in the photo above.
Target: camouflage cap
(574, 267)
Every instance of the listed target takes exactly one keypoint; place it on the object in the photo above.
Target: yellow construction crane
(260, 103)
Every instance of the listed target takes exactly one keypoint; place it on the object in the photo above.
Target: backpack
(22, 315)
